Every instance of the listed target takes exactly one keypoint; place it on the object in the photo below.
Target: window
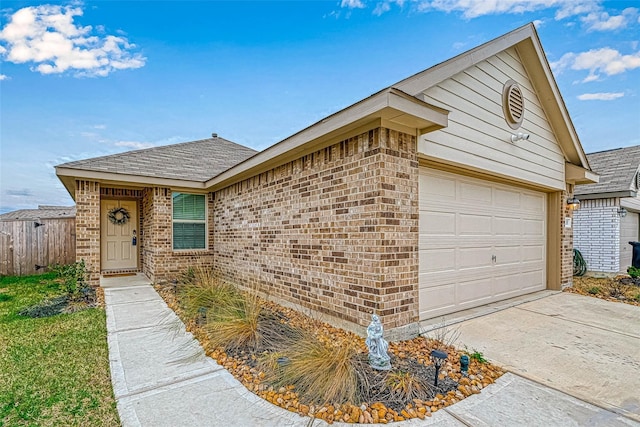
(189, 221)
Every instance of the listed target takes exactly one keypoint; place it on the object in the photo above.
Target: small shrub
(634, 272)
(594, 290)
(637, 297)
(73, 278)
(477, 356)
(444, 335)
(404, 385)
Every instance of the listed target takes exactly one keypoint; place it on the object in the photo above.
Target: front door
(119, 227)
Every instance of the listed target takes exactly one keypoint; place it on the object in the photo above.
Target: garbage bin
(635, 258)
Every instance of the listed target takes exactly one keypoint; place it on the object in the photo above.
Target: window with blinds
(189, 221)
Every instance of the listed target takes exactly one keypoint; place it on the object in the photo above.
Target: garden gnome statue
(378, 357)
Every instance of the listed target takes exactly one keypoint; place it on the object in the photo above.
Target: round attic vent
(513, 104)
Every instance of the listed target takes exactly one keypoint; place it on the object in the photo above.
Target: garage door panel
(445, 296)
(508, 254)
(473, 224)
(507, 226)
(533, 227)
(506, 198)
(438, 187)
(534, 202)
(437, 260)
(438, 223)
(474, 291)
(479, 242)
(477, 193)
(533, 253)
(474, 257)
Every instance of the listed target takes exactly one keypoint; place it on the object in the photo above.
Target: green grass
(55, 370)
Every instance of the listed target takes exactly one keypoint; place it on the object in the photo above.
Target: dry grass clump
(618, 289)
(321, 372)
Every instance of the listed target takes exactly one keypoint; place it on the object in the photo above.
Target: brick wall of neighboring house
(88, 228)
(335, 231)
(597, 234)
(160, 262)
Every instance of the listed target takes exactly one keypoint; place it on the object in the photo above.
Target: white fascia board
(389, 104)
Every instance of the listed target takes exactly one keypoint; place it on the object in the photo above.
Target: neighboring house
(33, 239)
(608, 217)
(440, 193)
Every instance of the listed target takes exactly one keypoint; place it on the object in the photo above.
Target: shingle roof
(194, 161)
(43, 212)
(616, 168)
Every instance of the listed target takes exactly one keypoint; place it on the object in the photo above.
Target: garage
(480, 242)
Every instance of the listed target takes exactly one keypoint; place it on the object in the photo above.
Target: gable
(478, 135)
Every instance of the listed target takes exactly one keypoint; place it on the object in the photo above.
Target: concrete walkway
(161, 377)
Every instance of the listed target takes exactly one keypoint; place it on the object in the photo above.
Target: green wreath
(118, 216)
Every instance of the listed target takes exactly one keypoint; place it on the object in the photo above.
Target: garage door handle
(493, 258)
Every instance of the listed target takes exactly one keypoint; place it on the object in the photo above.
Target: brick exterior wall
(335, 231)
(159, 261)
(597, 234)
(88, 228)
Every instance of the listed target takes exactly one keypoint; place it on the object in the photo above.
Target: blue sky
(85, 79)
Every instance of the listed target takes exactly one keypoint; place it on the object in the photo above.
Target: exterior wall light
(519, 136)
(573, 203)
(438, 358)
(622, 212)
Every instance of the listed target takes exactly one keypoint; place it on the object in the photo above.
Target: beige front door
(117, 249)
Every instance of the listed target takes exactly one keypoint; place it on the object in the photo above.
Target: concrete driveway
(582, 346)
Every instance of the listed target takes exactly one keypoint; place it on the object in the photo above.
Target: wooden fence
(27, 249)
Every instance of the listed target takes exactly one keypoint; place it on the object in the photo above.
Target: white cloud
(3, 77)
(603, 96)
(381, 8)
(352, 4)
(597, 61)
(47, 37)
(538, 23)
(100, 126)
(136, 145)
(475, 8)
(602, 21)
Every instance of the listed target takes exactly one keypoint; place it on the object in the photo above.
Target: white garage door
(480, 242)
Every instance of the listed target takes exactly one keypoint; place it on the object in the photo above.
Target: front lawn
(53, 370)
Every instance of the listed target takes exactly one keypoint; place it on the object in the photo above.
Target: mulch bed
(381, 405)
(622, 289)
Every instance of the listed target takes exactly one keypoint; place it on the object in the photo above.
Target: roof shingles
(616, 168)
(194, 161)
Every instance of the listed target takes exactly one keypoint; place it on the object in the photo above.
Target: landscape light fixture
(438, 358)
(464, 365)
(519, 136)
(573, 203)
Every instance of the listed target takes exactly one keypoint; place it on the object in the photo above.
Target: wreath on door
(118, 216)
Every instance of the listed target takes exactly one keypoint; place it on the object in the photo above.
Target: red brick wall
(88, 228)
(335, 231)
(160, 262)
